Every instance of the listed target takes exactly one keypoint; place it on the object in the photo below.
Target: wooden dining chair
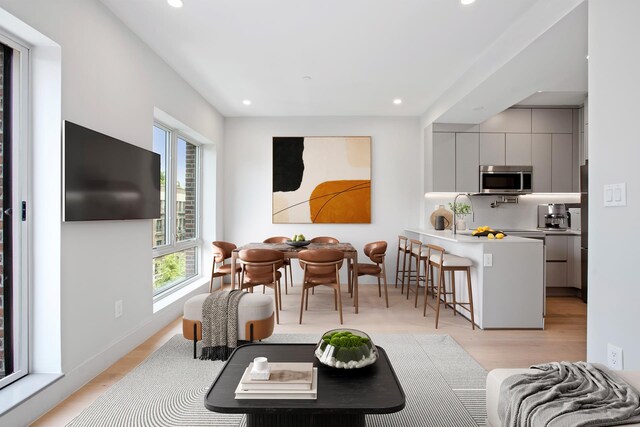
(261, 267)
(321, 267)
(376, 252)
(221, 252)
(287, 263)
(324, 239)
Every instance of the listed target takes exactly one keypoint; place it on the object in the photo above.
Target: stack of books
(286, 381)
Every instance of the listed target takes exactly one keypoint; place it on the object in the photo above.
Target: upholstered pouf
(255, 318)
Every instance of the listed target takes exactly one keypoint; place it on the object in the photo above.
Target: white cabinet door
(556, 247)
(561, 163)
(467, 162)
(574, 266)
(444, 161)
(513, 120)
(556, 274)
(492, 150)
(552, 120)
(518, 149)
(541, 161)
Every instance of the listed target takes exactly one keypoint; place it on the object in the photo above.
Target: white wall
(396, 178)
(111, 82)
(613, 157)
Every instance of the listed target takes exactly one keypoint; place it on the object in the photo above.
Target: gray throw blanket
(220, 324)
(567, 394)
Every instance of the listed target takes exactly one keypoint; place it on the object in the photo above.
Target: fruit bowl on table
(346, 349)
(298, 243)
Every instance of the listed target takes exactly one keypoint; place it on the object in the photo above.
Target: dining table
(291, 252)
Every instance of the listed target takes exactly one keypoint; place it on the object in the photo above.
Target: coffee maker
(553, 216)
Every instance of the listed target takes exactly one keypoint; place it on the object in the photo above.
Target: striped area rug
(443, 384)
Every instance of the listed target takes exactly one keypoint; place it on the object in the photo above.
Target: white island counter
(509, 293)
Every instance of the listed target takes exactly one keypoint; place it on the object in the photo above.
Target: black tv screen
(107, 179)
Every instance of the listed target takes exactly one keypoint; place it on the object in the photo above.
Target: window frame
(171, 244)
(20, 183)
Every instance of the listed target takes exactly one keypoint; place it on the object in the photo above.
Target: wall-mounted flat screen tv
(107, 179)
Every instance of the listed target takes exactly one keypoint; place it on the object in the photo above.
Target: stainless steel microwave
(506, 179)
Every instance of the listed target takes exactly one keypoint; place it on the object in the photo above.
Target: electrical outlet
(488, 260)
(614, 357)
(118, 308)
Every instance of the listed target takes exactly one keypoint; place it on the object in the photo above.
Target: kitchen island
(508, 285)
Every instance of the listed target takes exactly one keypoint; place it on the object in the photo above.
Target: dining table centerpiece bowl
(298, 243)
(346, 349)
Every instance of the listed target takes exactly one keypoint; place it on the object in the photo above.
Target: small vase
(461, 224)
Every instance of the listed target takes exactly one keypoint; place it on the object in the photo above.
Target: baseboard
(45, 400)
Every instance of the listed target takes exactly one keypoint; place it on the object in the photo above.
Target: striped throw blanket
(220, 324)
(567, 394)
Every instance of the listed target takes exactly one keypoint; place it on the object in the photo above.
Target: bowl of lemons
(488, 232)
(298, 241)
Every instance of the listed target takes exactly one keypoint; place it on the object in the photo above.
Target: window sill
(21, 390)
(161, 303)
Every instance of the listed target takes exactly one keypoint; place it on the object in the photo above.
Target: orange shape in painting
(341, 202)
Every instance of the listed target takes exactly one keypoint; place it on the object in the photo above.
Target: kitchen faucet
(473, 215)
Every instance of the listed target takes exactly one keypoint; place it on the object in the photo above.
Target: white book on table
(279, 393)
(284, 376)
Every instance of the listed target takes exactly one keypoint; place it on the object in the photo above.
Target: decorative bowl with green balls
(346, 349)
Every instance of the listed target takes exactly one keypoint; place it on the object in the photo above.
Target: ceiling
(357, 55)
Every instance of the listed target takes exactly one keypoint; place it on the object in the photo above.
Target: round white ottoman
(255, 318)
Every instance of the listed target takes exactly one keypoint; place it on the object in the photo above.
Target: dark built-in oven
(506, 179)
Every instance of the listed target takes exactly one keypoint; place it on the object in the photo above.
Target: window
(14, 306)
(176, 238)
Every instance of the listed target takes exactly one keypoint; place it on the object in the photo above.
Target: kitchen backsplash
(523, 215)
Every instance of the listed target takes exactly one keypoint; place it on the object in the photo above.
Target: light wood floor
(564, 337)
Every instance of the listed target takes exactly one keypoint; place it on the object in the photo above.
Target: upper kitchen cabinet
(552, 120)
(467, 162)
(513, 120)
(492, 149)
(444, 165)
(518, 149)
(549, 139)
(561, 163)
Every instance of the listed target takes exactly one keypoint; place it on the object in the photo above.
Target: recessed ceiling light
(306, 77)
(247, 102)
(466, 2)
(397, 101)
(538, 91)
(587, 56)
(175, 3)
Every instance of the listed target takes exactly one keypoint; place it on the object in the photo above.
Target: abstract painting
(321, 180)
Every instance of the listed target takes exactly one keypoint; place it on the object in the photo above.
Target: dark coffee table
(344, 395)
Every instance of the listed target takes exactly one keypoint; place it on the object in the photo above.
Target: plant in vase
(460, 210)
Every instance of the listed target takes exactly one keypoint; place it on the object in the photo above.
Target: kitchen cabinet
(551, 120)
(556, 248)
(512, 120)
(444, 161)
(518, 149)
(561, 163)
(563, 261)
(556, 274)
(492, 149)
(467, 164)
(574, 262)
(541, 161)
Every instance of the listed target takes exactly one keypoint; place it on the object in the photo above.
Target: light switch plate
(615, 194)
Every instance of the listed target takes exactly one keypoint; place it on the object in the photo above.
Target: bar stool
(420, 255)
(403, 249)
(451, 263)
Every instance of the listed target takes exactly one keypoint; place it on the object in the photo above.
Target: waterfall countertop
(466, 237)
